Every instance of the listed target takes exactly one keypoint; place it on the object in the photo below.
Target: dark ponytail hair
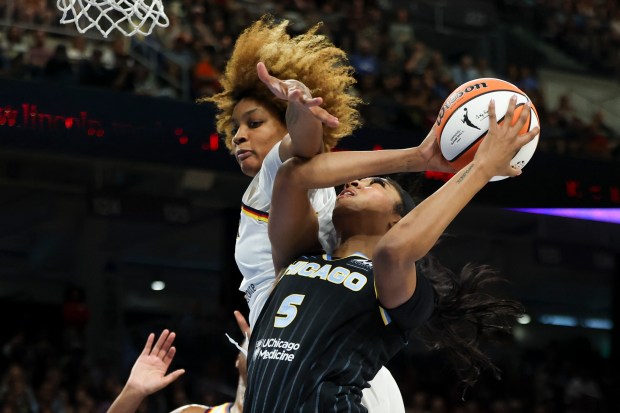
(464, 313)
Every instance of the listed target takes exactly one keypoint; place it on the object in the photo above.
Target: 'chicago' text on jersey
(354, 281)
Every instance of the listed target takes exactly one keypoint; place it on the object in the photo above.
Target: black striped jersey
(323, 335)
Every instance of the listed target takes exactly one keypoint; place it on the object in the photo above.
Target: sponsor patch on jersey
(361, 263)
(275, 349)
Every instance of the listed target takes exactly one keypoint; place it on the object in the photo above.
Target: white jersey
(253, 249)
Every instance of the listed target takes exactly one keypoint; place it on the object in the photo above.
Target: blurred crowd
(401, 78)
(588, 30)
(44, 368)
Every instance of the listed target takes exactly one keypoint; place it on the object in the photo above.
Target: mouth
(346, 193)
(243, 154)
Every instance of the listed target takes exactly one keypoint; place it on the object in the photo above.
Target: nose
(239, 137)
(354, 184)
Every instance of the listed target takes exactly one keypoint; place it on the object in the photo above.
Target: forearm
(127, 402)
(336, 168)
(305, 130)
(415, 234)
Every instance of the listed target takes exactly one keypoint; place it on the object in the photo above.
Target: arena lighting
(524, 319)
(598, 323)
(568, 321)
(158, 285)
(611, 215)
(558, 320)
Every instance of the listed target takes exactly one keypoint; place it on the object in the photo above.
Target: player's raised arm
(413, 236)
(304, 117)
(148, 374)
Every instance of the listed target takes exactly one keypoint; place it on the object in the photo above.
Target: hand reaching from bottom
(148, 374)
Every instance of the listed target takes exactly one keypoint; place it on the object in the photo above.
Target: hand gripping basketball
(296, 93)
(503, 141)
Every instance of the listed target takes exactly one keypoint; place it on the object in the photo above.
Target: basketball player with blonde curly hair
(266, 120)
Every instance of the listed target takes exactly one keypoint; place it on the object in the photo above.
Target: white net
(127, 16)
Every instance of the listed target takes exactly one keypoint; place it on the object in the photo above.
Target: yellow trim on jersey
(384, 314)
(255, 213)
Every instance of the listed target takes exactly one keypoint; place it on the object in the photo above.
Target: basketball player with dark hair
(333, 320)
(266, 120)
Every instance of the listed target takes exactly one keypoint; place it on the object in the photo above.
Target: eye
(377, 181)
(253, 124)
(234, 131)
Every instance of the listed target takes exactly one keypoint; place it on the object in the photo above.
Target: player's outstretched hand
(503, 141)
(148, 374)
(295, 92)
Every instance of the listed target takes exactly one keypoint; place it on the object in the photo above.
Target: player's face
(255, 130)
(373, 195)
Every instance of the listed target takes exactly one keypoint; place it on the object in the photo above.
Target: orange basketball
(463, 120)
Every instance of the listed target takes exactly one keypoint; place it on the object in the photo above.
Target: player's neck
(364, 244)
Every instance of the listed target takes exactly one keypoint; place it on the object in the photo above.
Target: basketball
(463, 120)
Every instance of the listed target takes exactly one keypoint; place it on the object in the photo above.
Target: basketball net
(127, 16)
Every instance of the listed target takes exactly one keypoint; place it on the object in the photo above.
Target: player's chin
(249, 167)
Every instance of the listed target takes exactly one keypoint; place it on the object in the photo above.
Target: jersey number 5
(288, 310)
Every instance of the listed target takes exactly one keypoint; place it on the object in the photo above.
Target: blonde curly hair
(310, 58)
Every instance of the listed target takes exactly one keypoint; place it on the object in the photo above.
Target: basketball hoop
(127, 16)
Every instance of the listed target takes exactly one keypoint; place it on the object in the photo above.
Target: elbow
(385, 254)
(291, 172)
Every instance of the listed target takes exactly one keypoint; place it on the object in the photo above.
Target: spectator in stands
(364, 60)
(528, 82)
(37, 56)
(15, 391)
(205, 74)
(443, 75)
(600, 142)
(401, 31)
(14, 44)
(417, 96)
(484, 70)
(58, 68)
(465, 70)
(418, 59)
(123, 74)
(144, 81)
(78, 50)
(92, 72)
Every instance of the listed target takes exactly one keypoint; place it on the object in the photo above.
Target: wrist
(415, 160)
(134, 392)
(479, 170)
